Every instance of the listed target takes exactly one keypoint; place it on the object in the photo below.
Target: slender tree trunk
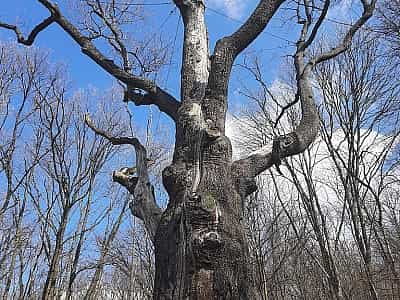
(49, 290)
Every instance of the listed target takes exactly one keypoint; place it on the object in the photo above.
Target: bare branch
(144, 205)
(87, 47)
(164, 101)
(113, 140)
(226, 50)
(285, 108)
(317, 25)
(368, 9)
(119, 46)
(35, 31)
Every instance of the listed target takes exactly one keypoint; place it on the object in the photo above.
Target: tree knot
(281, 145)
(125, 177)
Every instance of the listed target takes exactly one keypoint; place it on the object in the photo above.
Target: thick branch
(368, 9)
(305, 133)
(144, 205)
(195, 58)
(254, 25)
(226, 50)
(286, 145)
(164, 101)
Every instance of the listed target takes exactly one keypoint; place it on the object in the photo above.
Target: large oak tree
(200, 239)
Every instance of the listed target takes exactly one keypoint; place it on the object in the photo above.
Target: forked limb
(144, 204)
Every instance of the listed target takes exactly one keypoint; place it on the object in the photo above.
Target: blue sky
(223, 17)
(63, 50)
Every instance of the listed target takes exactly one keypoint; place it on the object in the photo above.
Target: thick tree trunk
(200, 243)
(201, 246)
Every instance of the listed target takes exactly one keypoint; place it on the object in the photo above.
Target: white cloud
(233, 8)
(342, 10)
(328, 186)
(239, 128)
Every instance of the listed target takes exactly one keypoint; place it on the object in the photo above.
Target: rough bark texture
(201, 247)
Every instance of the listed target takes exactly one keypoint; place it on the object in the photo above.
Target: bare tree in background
(18, 71)
(201, 247)
(345, 182)
(361, 101)
(57, 225)
(389, 25)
